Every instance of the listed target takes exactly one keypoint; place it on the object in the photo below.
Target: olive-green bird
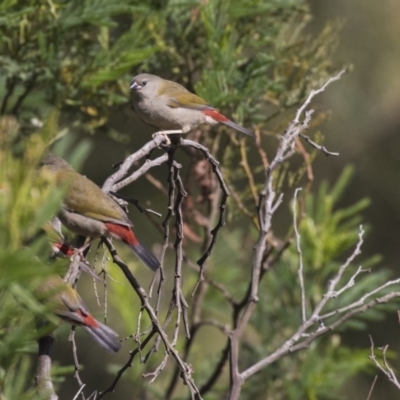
(66, 303)
(89, 212)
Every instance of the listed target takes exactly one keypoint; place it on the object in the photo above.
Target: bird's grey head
(145, 84)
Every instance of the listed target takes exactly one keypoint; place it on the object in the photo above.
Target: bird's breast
(81, 225)
(157, 112)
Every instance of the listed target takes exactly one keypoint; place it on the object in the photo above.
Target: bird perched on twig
(65, 302)
(170, 106)
(89, 212)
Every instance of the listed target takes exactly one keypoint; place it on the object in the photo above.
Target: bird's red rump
(123, 232)
(87, 319)
(215, 115)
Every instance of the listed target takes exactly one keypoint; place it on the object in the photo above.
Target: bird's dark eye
(144, 82)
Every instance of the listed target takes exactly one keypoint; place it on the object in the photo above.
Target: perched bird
(66, 303)
(168, 105)
(89, 212)
(61, 249)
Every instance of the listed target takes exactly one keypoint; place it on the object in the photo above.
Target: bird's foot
(166, 133)
(74, 254)
(81, 251)
(169, 132)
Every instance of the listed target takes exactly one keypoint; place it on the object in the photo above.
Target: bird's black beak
(135, 86)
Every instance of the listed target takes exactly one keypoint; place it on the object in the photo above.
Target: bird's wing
(66, 296)
(64, 300)
(74, 310)
(178, 96)
(86, 198)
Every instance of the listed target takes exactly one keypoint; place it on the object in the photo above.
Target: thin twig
(361, 300)
(185, 368)
(372, 387)
(141, 171)
(315, 92)
(300, 255)
(78, 392)
(351, 282)
(127, 365)
(317, 146)
(135, 202)
(221, 222)
(128, 162)
(385, 368)
(76, 361)
(289, 347)
(266, 207)
(330, 294)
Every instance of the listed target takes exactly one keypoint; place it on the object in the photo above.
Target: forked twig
(144, 299)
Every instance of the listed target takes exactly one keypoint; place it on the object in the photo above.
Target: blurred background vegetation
(65, 68)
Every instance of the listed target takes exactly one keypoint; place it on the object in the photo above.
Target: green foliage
(71, 61)
(14, 381)
(61, 52)
(80, 55)
(27, 200)
(328, 235)
(19, 201)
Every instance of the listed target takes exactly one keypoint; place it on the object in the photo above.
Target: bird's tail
(145, 256)
(239, 128)
(125, 234)
(104, 336)
(217, 116)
